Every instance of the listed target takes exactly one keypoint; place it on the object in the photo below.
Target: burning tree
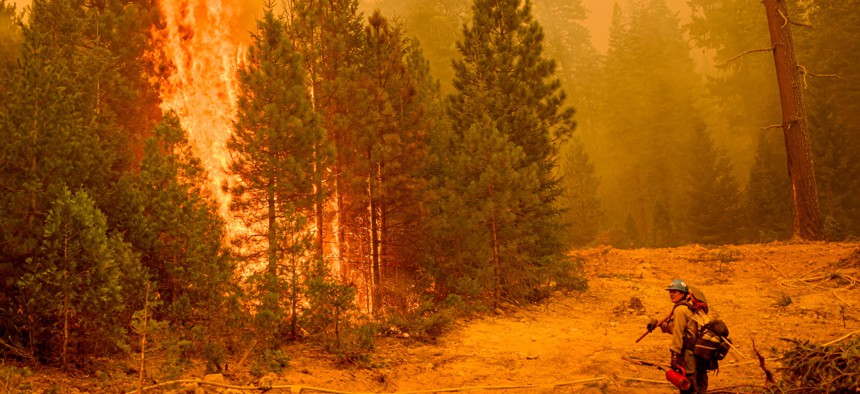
(274, 157)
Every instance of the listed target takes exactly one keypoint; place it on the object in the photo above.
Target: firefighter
(684, 330)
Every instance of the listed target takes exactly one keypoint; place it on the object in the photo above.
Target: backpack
(712, 342)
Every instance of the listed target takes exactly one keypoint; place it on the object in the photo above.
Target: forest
(383, 166)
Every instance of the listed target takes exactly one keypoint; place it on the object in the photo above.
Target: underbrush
(828, 368)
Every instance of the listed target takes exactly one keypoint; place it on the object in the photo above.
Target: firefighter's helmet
(679, 285)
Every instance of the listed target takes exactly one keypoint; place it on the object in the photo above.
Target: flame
(202, 44)
(198, 44)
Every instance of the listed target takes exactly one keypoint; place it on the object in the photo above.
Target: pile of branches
(828, 368)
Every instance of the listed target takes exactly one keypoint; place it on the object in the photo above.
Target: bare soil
(581, 336)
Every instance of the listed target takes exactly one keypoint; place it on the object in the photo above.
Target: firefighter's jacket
(684, 327)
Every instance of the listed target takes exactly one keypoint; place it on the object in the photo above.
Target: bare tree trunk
(66, 306)
(807, 216)
(374, 234)
(497, 262)
(143, 341)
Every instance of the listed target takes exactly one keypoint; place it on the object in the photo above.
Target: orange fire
(199, 43)
(203, 44)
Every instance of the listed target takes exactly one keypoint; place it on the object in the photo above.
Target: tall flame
(204, 53)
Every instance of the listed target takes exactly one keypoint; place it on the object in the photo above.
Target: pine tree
(833, 108)
(73, 287)
(645, 112)
(713, 206)
(767, 193)
(579, 197)
(173, 221)
(393, 150)
(504, 76)
(275, 140)
(53, 133)
(489, 181)
(10, 39)
(328, 34)
(437, 25)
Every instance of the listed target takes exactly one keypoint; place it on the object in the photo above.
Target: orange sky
(601, 14)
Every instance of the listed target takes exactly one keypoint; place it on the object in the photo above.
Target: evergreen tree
(833, 108)
(329, 36)
(504, 76)
(174, 223)
(394, 147)
(72, 291)
(10, 39)
(53, 133)
(488, 183)
(568, 41)
(767, 193)
(437, 25)
(275, 140)
(579, 197)
(664, 233)
(645, 112)
(713, 207)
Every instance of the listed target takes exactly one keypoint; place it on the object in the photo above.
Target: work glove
(666, 328)
(652, 325)
(675, 359)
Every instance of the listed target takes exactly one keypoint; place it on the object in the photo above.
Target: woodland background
(387, 172)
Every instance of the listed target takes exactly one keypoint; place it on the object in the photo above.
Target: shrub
(826, 368)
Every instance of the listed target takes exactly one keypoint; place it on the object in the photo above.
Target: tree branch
(786, 21)
(805, 72)
(748, 52)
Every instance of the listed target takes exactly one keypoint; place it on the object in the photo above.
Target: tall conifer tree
(172, 219)
(834, 105)
(579, 197)
(713, 211)
(768, 198)
(645, 111)
(505, 77)
(274, 144)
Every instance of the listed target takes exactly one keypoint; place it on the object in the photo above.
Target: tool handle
(660, 323)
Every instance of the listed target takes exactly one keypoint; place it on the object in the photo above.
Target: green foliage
(270, 360)
(578, 199)
(10, 37)
(174, 222)
(568, 275)
(768, 192)
(429, 320)
(358, 346)
(74, 287)
(645, 113)
(832, 106)
(276, 146)
(833, 230)
(331, 307)
(168, 354)
(713, 211)
(507, 127)
(13, 379)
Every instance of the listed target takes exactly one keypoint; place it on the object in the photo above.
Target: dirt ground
(569, 338)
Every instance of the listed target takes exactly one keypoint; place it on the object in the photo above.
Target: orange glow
(201, 86)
